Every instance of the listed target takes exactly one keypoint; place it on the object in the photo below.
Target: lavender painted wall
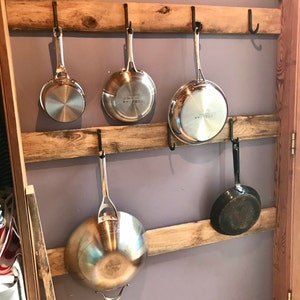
(159, 187)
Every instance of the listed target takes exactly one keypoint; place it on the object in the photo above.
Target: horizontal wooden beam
(61, 144)
(177, 237)
(94, 15)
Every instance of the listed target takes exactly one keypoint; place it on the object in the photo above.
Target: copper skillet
(198, 109)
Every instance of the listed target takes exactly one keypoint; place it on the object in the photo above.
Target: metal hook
(101, 152)
(194, 23)
(127, 23)
(233, 140)
(126, 15)
(55, 19)
(250, 23)
(172, 146)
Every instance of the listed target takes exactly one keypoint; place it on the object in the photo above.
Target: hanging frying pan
(198, 109)
(62, 98)
(129, 95)
(106, 252)
(237, 209)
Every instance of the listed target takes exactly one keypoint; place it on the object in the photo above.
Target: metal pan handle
(107, 210)
(199, 74)
(129, 45)
(61, 72)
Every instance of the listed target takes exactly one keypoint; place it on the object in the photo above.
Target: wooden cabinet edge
(177, 237)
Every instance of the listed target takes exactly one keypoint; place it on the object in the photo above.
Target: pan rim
(180, 99)
(53, 84)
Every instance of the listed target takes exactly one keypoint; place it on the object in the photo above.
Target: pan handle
(107, 210)
(61, 71)
(129, 45)
(236, 157)
(199, 73)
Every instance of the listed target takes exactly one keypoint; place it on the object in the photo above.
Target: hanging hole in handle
(195, 24)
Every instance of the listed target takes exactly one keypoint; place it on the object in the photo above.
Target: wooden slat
(177, 237)
(9, 99)
(39, 244)
(96, 15)
(52, 145)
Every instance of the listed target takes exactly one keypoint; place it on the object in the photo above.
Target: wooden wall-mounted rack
(62, 144)
(98, 16)
(177, 237)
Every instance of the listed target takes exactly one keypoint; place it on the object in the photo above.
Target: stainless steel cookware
(237, 209)
(130, 94)
(62, 98)
(106, 252)
(198, 109)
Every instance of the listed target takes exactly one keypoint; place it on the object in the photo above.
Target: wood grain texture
(101, 16)
(178, 237)
(39, 244)
(287, 85)
(53, 145)
(9, 100)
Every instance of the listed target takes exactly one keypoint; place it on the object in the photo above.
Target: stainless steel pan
(106, 252)
(198, 109)
(62, 98)
(129, 95)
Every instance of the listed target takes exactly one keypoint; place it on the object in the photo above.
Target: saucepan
(198, 109)
(62, 97)
(237, 209)
(106, 252)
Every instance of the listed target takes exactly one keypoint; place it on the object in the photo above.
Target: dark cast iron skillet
(237, 209)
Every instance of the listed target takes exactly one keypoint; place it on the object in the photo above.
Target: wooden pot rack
(53, 145)
(98, 16)
(101, 16)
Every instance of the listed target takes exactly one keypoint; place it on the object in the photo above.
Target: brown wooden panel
(96, 15)
(286, 238)
(7, 81)
(39, 244)
(51, 145)
(177, 237)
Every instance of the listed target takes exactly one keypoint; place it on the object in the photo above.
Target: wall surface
(159, 187)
